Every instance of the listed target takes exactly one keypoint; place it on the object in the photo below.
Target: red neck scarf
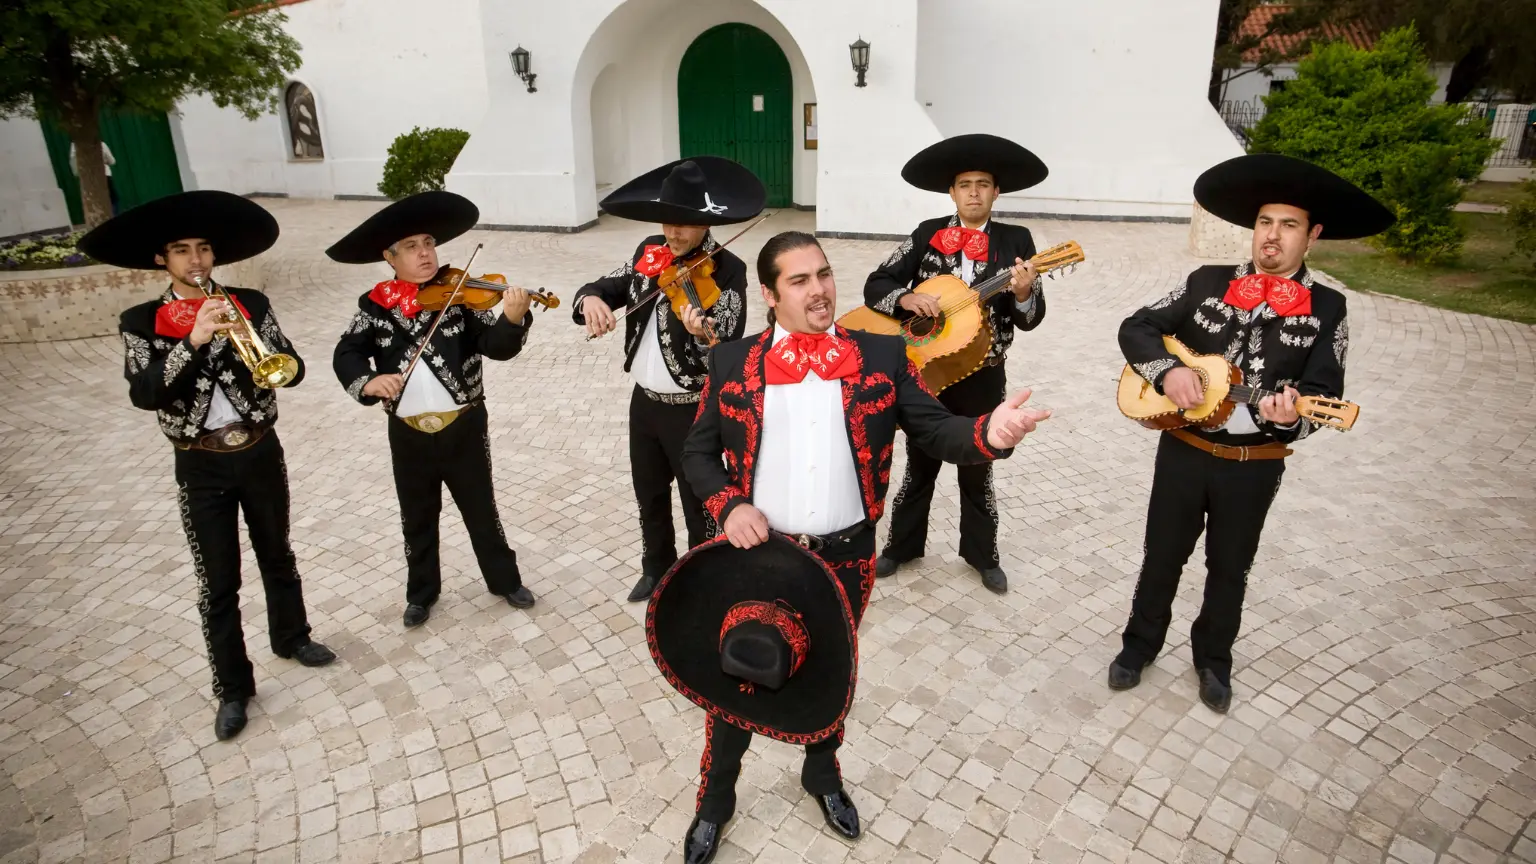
(973, 242)
(176, 318)
(397, 292)
(823, 353)
(1283, 295)
(654, 260)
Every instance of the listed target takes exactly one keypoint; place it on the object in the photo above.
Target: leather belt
(226, 439)
(690, 397)
(819, 542)
(1274, 450)
(432, 422)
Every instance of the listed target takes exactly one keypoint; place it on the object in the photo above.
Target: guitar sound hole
(921, 331)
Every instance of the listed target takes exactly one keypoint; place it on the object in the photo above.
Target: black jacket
(176, 381)
(915, 261)
(381, 341)
(1302, 351)
(886, 391)
(684, 354)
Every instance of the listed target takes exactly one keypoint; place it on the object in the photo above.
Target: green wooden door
(734, 99)
(146, 159)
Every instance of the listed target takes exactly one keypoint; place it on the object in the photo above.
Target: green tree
(419, 161)
(1233, 42)
(69, 59)
(1366, 116)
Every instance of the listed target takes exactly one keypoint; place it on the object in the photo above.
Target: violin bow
(647, 298)
(427, 340)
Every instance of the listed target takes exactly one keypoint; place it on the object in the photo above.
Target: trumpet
(268, 370)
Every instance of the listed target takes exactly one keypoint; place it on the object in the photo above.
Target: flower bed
(46, 252)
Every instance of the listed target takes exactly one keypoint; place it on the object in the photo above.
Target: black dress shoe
(642, 589)
(230, 720)
(312, 654)
(416, 614)
(1216, 695)
(702, 842)
(522, 598)
(885, 566)
(1124, 677)
(995, 580)
(840, 813)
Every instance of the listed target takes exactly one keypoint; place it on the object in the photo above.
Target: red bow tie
(654, 260)
(1283, 295)
(397, 292)
(176, 318)
(826, 355)
(959, 238)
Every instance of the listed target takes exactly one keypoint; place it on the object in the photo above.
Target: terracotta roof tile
(1356, 33)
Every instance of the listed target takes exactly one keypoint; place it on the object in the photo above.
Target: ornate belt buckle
(235, 436)
(809, 541)
(430, 423)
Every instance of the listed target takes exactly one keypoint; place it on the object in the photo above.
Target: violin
(478, 292)
(691, 282)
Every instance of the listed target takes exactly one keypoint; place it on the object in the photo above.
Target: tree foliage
(69, 59)
(419, 161)
(1522, 220)
(1365, 116)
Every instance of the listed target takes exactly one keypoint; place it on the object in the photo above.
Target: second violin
(479, 293)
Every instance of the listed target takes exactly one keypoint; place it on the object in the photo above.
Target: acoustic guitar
(948, 348)
(1224, 391)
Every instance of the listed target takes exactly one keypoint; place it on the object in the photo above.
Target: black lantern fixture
(521, 60)
(859, 53)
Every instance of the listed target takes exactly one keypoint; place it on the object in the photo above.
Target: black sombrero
(704, 190)
(762, 638)
(441, 214)
(1236, 189)
(237, 228)
(1012, 167)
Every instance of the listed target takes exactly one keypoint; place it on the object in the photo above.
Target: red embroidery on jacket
(786, 621)
(980, 436)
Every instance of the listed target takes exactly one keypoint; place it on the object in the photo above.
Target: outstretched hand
(1012, 421)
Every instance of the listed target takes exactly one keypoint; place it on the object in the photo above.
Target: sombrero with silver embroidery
(704, 190)
(762, 638)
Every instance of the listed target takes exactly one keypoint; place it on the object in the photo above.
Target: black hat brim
(682, 625)
(442, 214)
(237, 228)
(731, 185)
(1235, 191)
(1012, 167)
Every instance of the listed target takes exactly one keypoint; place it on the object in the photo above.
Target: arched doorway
(734, 99)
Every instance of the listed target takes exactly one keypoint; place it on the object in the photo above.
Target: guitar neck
(1243, 394)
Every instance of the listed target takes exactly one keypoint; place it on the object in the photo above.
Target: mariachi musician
(1288, 334)
(211, 380)
(438, 433)
(667, 337)
(973, 170)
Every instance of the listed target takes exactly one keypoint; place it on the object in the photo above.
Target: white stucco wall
(376, 68)
(30, 199)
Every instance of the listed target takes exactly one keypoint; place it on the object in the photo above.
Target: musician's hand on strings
(1011, 421)
(1184, 387)
(1280, 409)
(1024, 275)
(384, 386)
(514, 304)
(746, 527)
(697, 322)
(599, 317)
(212, 317)
(926, 305)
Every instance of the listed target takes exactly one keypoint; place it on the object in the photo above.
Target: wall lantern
(859, 53)
(521, 60)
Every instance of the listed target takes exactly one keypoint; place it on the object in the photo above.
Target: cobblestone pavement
(1384, 690)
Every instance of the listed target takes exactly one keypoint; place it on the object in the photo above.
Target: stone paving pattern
(1384, 690)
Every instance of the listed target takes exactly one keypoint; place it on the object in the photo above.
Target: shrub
(419, 160)
(1365, 115)
(1522, 220)
(43, 252)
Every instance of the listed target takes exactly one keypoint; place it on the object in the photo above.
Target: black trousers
(1193, 491)
(656, 433)
(214, 488)
(460, 458)
(971, 397)
(724, 744)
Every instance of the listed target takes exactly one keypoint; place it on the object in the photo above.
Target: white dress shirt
(221, 412)
(650, 368)
(806, 482)
(424, 394)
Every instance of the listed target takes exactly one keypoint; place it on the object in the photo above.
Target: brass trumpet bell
(269, 370)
